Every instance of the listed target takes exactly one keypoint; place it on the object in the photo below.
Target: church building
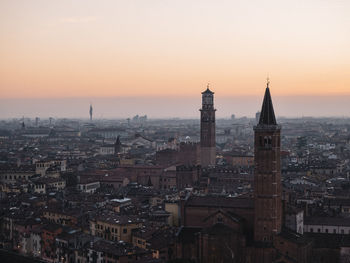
(241, 229)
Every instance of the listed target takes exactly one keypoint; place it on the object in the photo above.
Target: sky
(156, 56)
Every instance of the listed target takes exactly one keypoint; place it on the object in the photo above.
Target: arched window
(267, 141)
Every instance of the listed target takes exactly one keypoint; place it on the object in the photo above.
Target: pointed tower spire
(117, 145)
(117, 142)
(23, 125)
(267, 115)
(149, 183)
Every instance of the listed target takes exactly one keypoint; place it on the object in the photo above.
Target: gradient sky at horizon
(133, 48)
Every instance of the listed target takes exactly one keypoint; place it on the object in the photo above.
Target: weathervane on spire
(267, 81)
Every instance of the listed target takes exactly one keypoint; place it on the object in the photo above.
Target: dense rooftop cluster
(116, 191)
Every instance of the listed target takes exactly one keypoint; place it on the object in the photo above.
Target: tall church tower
(267, 174)
(208, 145)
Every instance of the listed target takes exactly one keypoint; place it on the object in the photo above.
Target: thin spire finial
(267, 81)
(208, 85)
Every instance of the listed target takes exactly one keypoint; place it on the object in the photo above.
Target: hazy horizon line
(172, 118)
(172, 106)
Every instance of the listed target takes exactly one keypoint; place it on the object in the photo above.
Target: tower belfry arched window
(267, 141)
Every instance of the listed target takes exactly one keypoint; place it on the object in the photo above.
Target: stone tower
(267, 174)
(208, 151)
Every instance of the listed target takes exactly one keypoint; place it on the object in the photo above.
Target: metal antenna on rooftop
(90, 111)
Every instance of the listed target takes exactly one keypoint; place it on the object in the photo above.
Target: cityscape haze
(168, 106)
(175, 131)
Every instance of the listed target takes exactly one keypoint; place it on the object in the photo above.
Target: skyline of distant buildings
(167, 107)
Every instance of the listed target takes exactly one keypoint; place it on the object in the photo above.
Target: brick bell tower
(208, 144)
(267, 175)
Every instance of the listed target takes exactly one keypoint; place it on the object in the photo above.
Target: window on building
(334, 231)
(319, 230)
(342, 231)
(267, 141)
(125, 230)
(326, 230)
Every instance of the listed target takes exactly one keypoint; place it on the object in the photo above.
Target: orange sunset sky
(161, 48)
